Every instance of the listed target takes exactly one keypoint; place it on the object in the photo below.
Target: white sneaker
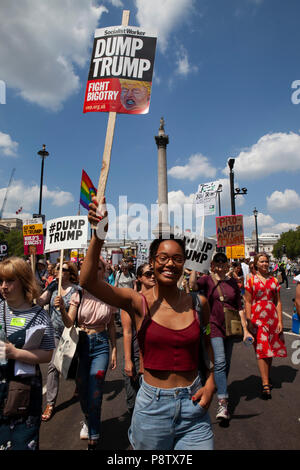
(222, 412)
(84, 433)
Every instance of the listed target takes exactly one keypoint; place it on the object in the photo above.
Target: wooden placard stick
(109, 138)
(61, 262)
(33, 262)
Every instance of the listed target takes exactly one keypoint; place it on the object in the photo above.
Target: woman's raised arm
(124, 298)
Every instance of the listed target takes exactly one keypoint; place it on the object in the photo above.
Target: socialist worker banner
(121, 70)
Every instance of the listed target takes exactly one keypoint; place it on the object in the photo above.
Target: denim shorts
(168, 419)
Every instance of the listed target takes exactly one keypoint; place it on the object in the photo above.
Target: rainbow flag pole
(87, 190)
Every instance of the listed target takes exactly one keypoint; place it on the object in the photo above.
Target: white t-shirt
(246, 270)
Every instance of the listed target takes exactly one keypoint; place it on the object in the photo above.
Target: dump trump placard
(230, 230)
(66, 233)
(121, 69)
(198, 251)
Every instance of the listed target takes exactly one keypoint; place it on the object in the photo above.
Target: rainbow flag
(87, 190)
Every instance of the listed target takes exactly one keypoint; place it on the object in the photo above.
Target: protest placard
(206, 198)
(3, 250)
(33, 237)
(230, 230)
(121, 70)
(235, 252)
(119, 80)
(198, 250)
(142, 252)
(66, 233)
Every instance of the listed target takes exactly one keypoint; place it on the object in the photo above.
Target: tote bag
(66, 350)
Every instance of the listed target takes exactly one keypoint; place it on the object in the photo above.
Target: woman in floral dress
(264, 312)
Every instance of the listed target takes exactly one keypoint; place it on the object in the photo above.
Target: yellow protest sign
(235, 252)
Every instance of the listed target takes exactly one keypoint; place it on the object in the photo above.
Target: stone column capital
(162, 140)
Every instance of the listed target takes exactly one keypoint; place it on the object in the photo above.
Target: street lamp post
(255, 213)
(43, 154)
(231, 180)
(219, 190)
(234, 191)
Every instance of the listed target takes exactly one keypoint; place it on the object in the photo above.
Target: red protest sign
(230, 230)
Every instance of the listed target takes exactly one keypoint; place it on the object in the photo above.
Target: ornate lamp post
(255, 213)
(234, 191)
(43, 154)
(219, 190)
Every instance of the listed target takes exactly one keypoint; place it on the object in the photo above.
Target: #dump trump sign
(66, 233)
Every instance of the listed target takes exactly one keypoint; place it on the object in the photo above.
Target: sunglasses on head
(65, 270)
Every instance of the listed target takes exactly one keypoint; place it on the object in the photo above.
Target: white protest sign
(66, 233)
(142, 254)
(206, 197)
(198, 250)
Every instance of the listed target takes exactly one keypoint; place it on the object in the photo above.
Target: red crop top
(167, 349)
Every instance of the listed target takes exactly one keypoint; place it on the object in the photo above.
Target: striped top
(17, 320)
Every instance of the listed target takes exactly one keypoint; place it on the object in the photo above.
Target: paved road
(255, 424)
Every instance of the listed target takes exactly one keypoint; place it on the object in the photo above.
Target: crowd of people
(177, 349)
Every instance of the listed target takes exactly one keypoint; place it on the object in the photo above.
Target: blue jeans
(222, 348)
(168, 419)
(93, 352)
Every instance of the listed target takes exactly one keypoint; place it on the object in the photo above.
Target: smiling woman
(168, 331)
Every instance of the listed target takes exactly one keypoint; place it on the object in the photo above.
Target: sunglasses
(148, 274)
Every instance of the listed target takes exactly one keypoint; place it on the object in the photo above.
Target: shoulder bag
(233, 324)
(18, 389)
(66, 355)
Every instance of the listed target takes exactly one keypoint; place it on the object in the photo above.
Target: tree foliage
(289, 244)
(14, 240)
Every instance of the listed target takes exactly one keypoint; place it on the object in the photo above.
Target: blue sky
(223, 80)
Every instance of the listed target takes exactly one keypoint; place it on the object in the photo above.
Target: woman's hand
(128, 367)
(11, 351)
(247, 334)
(279, 328)
(113, 361)
(59, 303)
(204, 396)
(98, 218)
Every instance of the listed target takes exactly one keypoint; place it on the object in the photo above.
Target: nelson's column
(163, 229)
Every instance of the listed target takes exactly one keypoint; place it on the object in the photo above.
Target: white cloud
(283, 227)
(184, 67)
(116, 3)
(162, 16)
(288, 200)
(28, 197)
(41, 43)
(7, 146)
(197, 167)
(263, 220)
(266, 221)
(273, 153)
(179, 198)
